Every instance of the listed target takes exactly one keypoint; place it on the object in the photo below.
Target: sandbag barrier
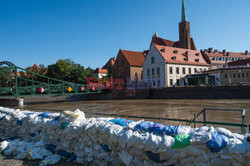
(107, 141)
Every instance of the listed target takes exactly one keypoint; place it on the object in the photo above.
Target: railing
(243, 125)
(204, 112)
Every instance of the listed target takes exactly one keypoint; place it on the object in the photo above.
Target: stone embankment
(51, 137)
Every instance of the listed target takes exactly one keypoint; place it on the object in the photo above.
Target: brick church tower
(184, 30)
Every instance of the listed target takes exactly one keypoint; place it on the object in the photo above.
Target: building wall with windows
(154, 68)
(176, 72)
(159, 70)
(232, 75)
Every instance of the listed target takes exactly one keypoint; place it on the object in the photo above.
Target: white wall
(159, 63)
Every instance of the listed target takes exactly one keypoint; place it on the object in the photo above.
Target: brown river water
(181, 109)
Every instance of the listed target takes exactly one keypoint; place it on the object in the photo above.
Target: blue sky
(91, 31)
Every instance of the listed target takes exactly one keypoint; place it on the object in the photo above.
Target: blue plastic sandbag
(154, 157)
(106, 148)
(143, 126)
(51, 147)
(217, 142)
(20, 122)
(45, 114)
(72, 157)
(171, 130)
(63, 153)
(33, 134)
(156, 128)
(12, 138)
(121, 122)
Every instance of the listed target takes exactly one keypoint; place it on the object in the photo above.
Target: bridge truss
(16, 81)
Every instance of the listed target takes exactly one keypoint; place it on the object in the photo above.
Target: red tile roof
(178, 55)
(110, 63)
(164, 42)
(240, 62)
(98, 70)
(230, 55)
(134, 58)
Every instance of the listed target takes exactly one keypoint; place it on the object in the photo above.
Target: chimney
(224, 52)
(227, 53)
(210, 50)
(215, 51)
(246, 52)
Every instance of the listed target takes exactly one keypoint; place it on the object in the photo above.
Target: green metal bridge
(16, 82)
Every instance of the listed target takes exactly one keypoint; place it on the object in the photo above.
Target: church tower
(184, 30)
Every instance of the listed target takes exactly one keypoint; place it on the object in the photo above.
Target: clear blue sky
(91, 31)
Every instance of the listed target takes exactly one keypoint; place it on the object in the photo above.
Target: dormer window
(163, 50)
(197, 54)
(176, 51)
(173, 58)
(152, 60)
(185, 59)
(197, 60)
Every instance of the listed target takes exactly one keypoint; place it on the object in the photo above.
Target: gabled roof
(240, 62)
(110, 63)
(165, 42)
(134, 58)
(103, 71)
(181, 56)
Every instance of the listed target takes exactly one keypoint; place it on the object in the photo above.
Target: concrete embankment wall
(230, 92)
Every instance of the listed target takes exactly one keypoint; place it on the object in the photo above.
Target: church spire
(184, 16)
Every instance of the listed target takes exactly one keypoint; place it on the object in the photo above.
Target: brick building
(129, 64)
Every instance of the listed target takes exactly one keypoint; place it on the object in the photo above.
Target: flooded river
(181, 109)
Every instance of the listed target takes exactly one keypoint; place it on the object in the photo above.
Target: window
(238, 75)
(148, 72)
(197, 60)
(216, 58)
(222, 59)
(189, 71)
(178, 82)
(197, 54)
(153, 72)
(225, 75)
(158, 82)
(158, 70)
(177, 70)
(195, 70)
(152, 60)
(183, 70)
(170, 70)
(234, 75)
(247, 75)
(173, 58)
(171, 82)
(243, 75)
(228, 59)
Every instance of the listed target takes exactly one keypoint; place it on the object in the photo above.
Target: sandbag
(181, 141)
(217, 142)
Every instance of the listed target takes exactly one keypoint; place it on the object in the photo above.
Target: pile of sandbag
(105, 141)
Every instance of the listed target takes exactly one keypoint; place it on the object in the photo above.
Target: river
(182, 109)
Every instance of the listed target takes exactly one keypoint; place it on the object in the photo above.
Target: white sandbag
(52, 159)
(124, 136)
(4, 145)
(235, 146)
(183, 129)
(34, 154)
(152, 143)
(223, 131)
(200, 137)
(125, 157)
(166, 143)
